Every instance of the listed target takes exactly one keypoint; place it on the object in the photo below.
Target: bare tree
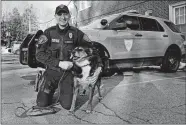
(30, 23)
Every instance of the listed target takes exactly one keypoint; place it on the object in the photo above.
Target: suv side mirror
(104, 22)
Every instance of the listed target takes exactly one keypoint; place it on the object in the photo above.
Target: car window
(172, 27)
(160, 28)
(148, 24)
(130, 22)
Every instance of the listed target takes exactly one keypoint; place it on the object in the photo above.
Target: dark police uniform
(53, 46)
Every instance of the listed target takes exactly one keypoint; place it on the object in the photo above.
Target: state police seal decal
(70, 35)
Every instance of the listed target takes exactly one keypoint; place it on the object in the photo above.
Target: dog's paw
(88, 111)
(71, 112)
(83, 93)
(100, 98)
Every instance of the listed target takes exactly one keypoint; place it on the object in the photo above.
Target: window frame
(142, 28)
(172, 11)
(160, 27)
(184, 15)
(174, 28)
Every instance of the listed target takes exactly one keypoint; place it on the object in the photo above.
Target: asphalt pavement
(147, 97)
(134, 98)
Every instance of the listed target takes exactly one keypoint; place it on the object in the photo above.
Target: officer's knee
(65, 105)
(66, 102)
(43, 99)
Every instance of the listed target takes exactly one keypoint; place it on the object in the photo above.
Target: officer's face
(62, 18)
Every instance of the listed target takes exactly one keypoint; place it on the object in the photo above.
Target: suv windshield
(172, 27)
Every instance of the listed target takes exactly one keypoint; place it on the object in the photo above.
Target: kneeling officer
(53, 50)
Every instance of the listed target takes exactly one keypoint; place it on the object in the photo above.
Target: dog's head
(81, 53)
(84, 57)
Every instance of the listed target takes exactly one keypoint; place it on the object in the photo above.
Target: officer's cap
(62, 8)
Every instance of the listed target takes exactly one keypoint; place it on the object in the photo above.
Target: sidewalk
(135, 102)
(137, 99)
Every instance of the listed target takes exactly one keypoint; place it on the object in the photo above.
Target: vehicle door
(153, 38)
(123, 41)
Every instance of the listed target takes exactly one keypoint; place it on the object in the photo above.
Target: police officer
(53, 50)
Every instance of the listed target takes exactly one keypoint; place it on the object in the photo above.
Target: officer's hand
(66, 65)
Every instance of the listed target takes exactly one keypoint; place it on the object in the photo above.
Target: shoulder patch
(42, 39)
(85, 37)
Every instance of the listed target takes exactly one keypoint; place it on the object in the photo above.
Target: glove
(65, 65)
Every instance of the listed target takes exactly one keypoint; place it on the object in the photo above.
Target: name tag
(55, 40)
(68, 41)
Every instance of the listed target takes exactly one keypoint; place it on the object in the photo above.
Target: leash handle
(23, 114)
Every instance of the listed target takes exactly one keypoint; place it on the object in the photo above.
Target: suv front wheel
(171, 61)
(107, 72)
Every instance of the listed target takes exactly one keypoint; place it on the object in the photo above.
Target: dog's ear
(89, 51)
(71, 56)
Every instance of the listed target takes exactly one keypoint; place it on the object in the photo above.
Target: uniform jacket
(56, 45)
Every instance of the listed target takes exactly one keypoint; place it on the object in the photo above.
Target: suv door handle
(138, 35)
(165, 35)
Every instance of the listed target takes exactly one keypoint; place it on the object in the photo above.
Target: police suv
(129, 39)
(125, 40)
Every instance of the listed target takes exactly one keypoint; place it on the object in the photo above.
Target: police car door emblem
(128, 44)
(70, 35)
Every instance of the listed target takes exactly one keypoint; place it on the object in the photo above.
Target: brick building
(91, 10)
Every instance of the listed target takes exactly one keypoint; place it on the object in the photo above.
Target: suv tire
(171, 61)
(106, 72)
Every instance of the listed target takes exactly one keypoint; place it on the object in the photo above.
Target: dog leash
(37, 108)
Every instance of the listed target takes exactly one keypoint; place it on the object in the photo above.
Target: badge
(42, 39)
(128, 44)
(55, 40)
(70, 35)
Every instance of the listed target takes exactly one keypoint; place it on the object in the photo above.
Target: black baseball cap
(62, 8)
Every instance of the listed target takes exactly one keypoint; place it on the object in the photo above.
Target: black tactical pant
(49, 83)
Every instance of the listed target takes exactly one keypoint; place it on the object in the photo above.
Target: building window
(180, 15)
(177, 13)
(84, 5)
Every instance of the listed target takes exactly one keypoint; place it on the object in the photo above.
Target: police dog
(83, 58)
